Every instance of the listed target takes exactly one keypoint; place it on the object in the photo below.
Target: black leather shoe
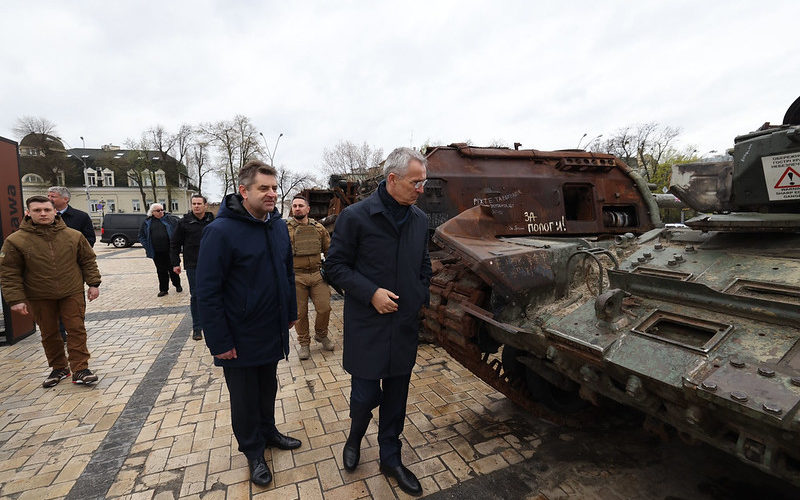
(179, 289)
(283, 442)
(406, 479)
(351, 454)
(259, 471)
(161, 294)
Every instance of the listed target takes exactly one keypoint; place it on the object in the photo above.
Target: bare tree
(236, 142)
(290, 182)
(199, 161)
(349, 158)
(141, 168)
(642, 147)
(183, 142)
(34, 125)
(49, 160)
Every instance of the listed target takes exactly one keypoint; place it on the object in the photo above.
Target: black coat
(245, 286)
(80, 221)
(186, 239)
(367, 252)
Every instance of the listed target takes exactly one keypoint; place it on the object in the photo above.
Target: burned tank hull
(698, 326)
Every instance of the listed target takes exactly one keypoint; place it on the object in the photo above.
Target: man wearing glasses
(154, 235)
(379, 256)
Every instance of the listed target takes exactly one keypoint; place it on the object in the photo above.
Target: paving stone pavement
(157, 424)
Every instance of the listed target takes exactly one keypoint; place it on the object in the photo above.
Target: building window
(132, 179)
(94, 205)
(163, 203)
(111, 206)
(32, 179)
(91, 177)
(161, 179)
(61, 179)
(108, 178)
(136, 206)
(173, 206)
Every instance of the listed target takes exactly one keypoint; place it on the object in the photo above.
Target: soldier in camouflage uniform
(309, 239)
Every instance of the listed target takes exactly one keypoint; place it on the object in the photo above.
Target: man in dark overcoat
(246, 298)
(379, 256)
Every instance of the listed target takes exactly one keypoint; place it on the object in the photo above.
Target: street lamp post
(271, 155)
(581, 140)
(85, 173)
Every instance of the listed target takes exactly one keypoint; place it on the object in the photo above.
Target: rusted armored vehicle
(574, 293)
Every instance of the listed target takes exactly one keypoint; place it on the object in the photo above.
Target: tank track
(453, 284)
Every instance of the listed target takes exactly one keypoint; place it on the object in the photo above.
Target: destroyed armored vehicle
(564, 289)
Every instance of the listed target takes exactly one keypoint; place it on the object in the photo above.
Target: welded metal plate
(747, 390)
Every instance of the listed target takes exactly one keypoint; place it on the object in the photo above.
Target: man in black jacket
(72, 217)
(379, 256)
(186, 238)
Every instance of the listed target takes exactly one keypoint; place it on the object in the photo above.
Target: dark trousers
(165, 272)
(391, 395)
(190, 276)
(252, 390)
(72, 311)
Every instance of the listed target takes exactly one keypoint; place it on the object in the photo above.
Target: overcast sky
(399, 73)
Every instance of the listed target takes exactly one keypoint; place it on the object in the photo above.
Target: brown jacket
(46, 262)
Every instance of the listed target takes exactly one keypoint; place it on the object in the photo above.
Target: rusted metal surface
(698, 327)
(531, 192)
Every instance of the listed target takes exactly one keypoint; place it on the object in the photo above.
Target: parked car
(121, 230)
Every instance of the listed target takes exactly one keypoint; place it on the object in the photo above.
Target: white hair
(150, 208)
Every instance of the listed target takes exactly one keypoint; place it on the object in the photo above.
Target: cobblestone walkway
(157, 424)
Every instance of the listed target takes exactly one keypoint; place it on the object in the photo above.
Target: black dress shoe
(179, 289)
(406, 479)
(197, 334)
(161, 294)
(259, 471)
(283, 442)
(351, 454)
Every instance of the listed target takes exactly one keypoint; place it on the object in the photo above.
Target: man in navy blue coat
(246, 297)
(379, 256)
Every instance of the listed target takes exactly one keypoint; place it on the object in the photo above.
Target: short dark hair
(247, 174)
(300, 197)
(198, 195)
(38, 199)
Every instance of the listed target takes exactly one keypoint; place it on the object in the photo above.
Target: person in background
(154, 235)
(310, 240)
(73, 218)
(186, 239)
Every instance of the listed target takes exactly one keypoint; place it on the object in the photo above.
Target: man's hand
(21, 308)
(176, 269)
(93, 293)
(227, 355)
(382, 301)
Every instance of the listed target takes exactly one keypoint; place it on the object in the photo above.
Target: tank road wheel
(120, 241)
